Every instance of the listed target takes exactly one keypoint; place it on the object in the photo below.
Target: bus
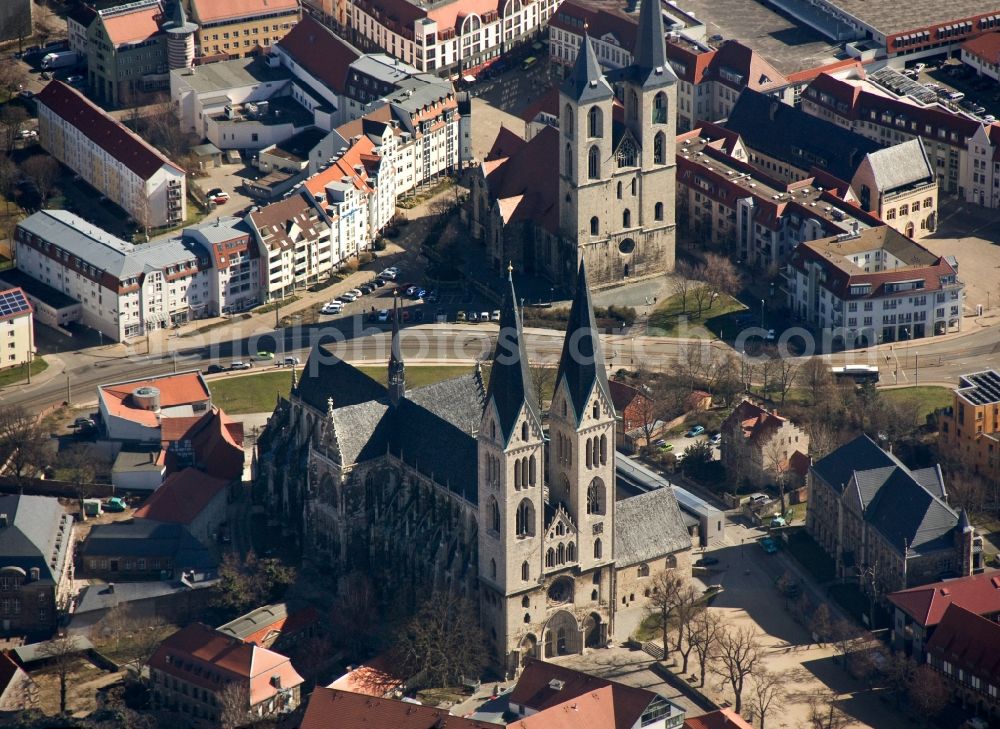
(858, 373)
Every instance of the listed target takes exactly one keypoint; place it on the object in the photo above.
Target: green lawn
(928, 398)
(258, 393)
(666, 320)
(20, 373)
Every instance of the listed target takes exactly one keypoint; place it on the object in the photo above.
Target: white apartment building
(874, 286)
(453, 36)
(17, 334)
(235, 260)
(125, 290)
(114, 160)
(983, 55)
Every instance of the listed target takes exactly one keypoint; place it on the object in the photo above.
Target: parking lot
(972, 234)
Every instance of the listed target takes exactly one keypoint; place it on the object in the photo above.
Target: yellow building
(241, 28)
(970, 431)
(17, 341)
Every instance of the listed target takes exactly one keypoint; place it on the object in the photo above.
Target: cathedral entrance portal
(594, 631)
(529, 648)
(562, 635)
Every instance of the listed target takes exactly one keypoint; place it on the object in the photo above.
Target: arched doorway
(562, 635)
(529, 648)
(909, 230)
(594, 631)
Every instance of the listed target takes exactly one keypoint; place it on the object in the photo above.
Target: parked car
(264, 354)
(26, 93)
(715, 439)
(76, 80)
(695, 431)
(706, 562)
(84, 423)
(419, 294)
(460, 316)
(358, 293)
(240, 365)
(660, 443)
(667, 447)
(473, 317)
(389, 275)
(495, 315)
(214, 369)
(26, 134)
(332, 307)
(220, 197)
(410, 290)
(768, 545)
(778, 521)
(366, 289)
(383, 315)
(348, 297)
(484, 316)
(378, 282)
(290, 361)
(115, 504)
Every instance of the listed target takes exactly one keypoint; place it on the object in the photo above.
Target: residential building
(635, 413)
(212, 442)
(143, 550)
(885, 525)
(110, 157)
(761, 447)
(333, 708)
(898, 185)
(139, 410)
(78, 22)
(124, 290)
(280, 627)
(240, 28)
(874, 286)
(918, 610)
(550, 696)
(719, 719)
(964, 649)
(138, 468)
(970, 428)
(126, 52)
(601, 188)
(17, 327)
(191, 668)
(983, 55)
(192, 498)
(35, 563)
(541, 563)
(725, 202)
(177, 602)
(450, 37)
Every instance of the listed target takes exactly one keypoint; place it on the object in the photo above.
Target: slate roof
(586, 82)
(789, 134)
(321, 52)
(582, 365)
(511, 388)
(522, 177)
(901, 166)
(148, 538)
(99, 597)
(37, 535)
(649, 57)
(895, 503)
(331, 708)
(926, 604)
(649, 526)
(969, 642)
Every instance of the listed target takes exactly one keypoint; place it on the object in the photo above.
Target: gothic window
(568, 120)
(550, 558)
(658, 211)
(595, 497)
(493, 429)
(595, 226)
(627, 218)
(594, 122)
(524, 431)
(571, 552)
(517, 475)
(633, 106)
(627, 153)
(597, 410)
(493, 569)
(590, 454)
(493, 509)
(597, 548)
(660, 149)
(619, 190)
(525, 519)
(597, 451)
(604, 449)
(660, 108)
(525, 571)
(525, 602)
(532, 470)
(569, 161)
(527, 617)
(524, 473)
(594, 163)
(559, 529)
(633, 187)
(644, 570)
(593, 595)
(561, 554)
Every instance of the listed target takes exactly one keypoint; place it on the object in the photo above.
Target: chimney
(111, 588)
(276, 681)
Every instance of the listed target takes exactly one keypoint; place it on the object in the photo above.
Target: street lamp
(762, 313)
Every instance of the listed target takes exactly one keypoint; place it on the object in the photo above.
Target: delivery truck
(60, 59)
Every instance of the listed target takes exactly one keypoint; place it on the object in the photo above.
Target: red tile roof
(135, 26)
(375, 678)
(320, 52)
(756, 72)
(109, 134)
(334, 709)
(986, 47)
(927, 604)
(969, 642)
(756, 423)
(216, 442)
(592, 710)
(810, 73)
(197, 654)
(449, 16)
(721, 719)
(212, 10)
(182, 497)
(523, 180)
(180, 389)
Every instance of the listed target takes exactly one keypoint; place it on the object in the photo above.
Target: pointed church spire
(650, 48)
(510, 379)
(586, 81)
(582, 362)
(179, 16)
(397, 370)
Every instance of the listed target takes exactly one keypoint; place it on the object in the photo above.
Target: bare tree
(12, 119)
(768, 689)
(769, 367)
(720, 276)
(815, 375)
(844, 637)
(737, 655)
(9, 175)
(786, 375)
(681, 283)
(689, 604)
(543, 379)
(899, 674)
(667, 587)
(820, 625)
(80, 465)
(967, 491)
(704, 633)
(234, 705)
(928, 692)
(776, 463)
(725, 385)
(823, 438)
(43, 172)
(442, 642)
(22, 443)
(12, 77)
(46, 22)
(824, 714)
(61, 654)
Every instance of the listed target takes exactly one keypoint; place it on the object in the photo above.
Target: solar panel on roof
(11, 303)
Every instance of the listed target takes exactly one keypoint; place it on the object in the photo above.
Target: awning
(469, 79)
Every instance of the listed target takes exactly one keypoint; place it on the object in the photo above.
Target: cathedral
(469, 487)
(599, 189)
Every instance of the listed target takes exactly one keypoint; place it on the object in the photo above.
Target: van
(239, 365)
(955, 96)
(290, 361)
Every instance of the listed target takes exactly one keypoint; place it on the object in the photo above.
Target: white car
(389, 274)
(26, 134)
(357, 293)
(495, 316)
(348, 297)
(383, 315)
(332, 307)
